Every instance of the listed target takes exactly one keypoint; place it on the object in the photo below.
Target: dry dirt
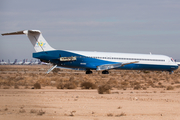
(155, 102)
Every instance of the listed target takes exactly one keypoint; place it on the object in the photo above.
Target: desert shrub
(6, 109)
(74, 81)
(88, 85)
(55, 70)
(104, 89)
(6, 87)
(170, 88)
(177, 82)
(112, 81)
(16, 86)
(137, 87)
(26, 87)
(72, 113)
(150, 83)
(41, 112)
(121, 87)
(144, 88)
(60, 85)
(124, 83)
(133, 83)
(177, 86)
(32, 75)
(19, 78)
(146, 71)
(22, 110)
(37, 86)
(162, 92)
(33, 111)
(159, 83)
(119, 115)
(71, 79)
(70, 86)
(136, 83)
(110, 114)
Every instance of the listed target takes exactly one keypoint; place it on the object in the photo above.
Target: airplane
(12, 63)
(99, 61)
(27, 63)
(3, 62)
(36, 62)
(20, 62)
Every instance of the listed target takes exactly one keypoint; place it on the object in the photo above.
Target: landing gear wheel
(105, 72)
(170, 72)
(88, 72)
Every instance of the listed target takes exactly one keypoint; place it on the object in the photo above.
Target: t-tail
(15, 61)
(9, 62)
(23, 62)
(36, 38)
(39, 61)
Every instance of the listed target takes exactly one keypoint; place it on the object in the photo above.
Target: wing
(112, 66)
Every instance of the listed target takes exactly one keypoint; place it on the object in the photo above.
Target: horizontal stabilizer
(36, 38)
(13, 33)
(21, 32)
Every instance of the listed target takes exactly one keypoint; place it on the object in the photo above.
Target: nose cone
(174, 67)
(177, 67)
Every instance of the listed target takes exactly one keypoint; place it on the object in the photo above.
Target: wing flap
(112, 66)
(129, 63)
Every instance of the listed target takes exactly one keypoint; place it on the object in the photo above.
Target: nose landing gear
(105, 72)
(170, 72)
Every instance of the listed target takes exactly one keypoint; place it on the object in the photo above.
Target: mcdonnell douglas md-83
(100, 61)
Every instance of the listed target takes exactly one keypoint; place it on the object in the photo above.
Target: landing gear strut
(105, 72)
(88, 72)
(170, 72)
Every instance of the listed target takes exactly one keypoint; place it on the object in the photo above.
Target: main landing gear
(88, 72)
(105, 72)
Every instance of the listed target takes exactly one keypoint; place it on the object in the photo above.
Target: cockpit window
(172, 60)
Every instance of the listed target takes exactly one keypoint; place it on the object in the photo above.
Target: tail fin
(39, 61)
(15, 61)
(23, 61)
(36, 38)
(9, 62)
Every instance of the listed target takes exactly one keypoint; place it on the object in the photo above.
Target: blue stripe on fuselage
(81, 62)
(91, 63)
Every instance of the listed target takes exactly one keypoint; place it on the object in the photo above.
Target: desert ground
(28, 93)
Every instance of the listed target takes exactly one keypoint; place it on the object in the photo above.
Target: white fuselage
(129, 57)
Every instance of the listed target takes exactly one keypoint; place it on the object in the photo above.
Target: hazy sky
(132, 26)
